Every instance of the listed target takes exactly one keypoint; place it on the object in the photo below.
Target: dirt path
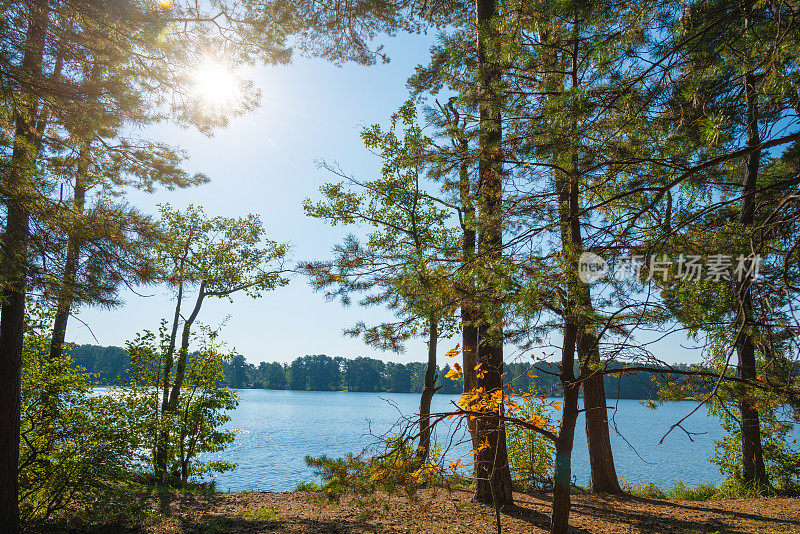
(439, 512)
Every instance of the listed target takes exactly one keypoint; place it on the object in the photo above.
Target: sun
(216, 85)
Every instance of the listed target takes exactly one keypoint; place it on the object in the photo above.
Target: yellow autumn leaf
(452, 353)
(454, 373)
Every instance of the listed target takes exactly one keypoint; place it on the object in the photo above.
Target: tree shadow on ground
(656, 516)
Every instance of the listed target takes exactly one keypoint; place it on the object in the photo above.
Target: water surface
(279, 428)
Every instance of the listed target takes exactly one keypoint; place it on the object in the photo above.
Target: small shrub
(646, 490)
(365, 515)
(397, 469)
(75, 447)
(702, 492)
(531, 455)
(307, 486)
(729, 489)
(196, 427)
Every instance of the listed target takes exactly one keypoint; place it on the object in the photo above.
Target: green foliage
(223, 254)
(646, 490)
(195, 428)
(75, 447)
(307, 486)
(781, 460)
(324, 373)
(729, 489)
(401, 262)
(702, 492)
(530, 455)
(397, 469)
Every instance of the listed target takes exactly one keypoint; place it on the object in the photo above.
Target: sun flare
(216, 85)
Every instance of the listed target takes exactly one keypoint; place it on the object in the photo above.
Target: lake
(279, 428)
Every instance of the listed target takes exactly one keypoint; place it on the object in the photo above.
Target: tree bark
(601, 456)
(15, 257)
(567, 190)
(492, 471)
(559, 523)
(428, 391)
(753, 469)
(180, 368)
(66, 295)
(469, 330)
(493, 474)
(169, 407)
(160, 456)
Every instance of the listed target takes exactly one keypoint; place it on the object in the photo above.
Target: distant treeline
(323, 373)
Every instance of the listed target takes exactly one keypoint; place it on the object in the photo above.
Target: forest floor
(440, 511)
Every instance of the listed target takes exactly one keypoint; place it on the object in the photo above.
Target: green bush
(701, 492)
(76, 448)
(782, 462)
(307, 486)
(729, 489)
(398, 468)
(531, 455)
(194, 429)
(646, 490)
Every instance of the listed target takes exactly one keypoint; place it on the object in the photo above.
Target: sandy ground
(439, 512)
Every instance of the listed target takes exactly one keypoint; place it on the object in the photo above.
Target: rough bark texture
(559, 523)
(753, 469)
(601, 457)
(469, 350)
(469, 330)
(492, 471)
(493, 484)
(566, 185)
(66, 295)
(14, 261)
(427, 391)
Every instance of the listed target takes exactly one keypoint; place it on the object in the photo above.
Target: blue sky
(264, 163)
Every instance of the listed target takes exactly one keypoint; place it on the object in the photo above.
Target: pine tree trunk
(469, 330)
(492, 470)
(428, 391)
(601, 456)
(563, 469)
(469, 350)
(14, 254)
(567, 190)
(493, 485)
(601, 459)
(753, 469)
(66, 295)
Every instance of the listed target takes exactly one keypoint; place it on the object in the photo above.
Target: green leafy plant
(530, 454)
(195, 427)
(398, 469)
(782, 462)
(75, 447)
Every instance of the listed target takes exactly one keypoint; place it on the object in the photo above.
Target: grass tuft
(307, 486)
